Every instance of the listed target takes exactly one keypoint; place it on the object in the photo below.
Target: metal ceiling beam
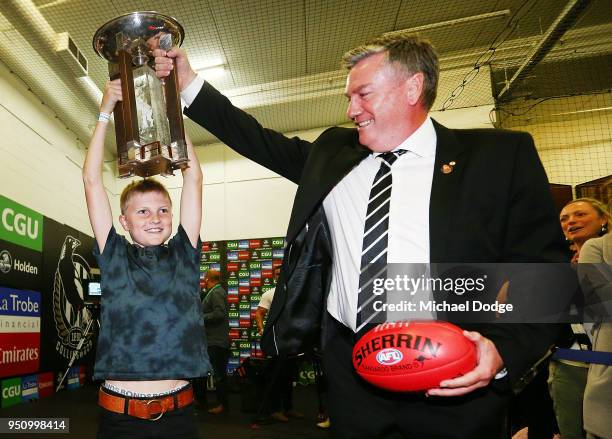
(566, 19)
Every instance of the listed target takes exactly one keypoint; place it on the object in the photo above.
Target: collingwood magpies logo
(69, 312)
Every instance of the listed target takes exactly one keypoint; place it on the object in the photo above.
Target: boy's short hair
(141, 187)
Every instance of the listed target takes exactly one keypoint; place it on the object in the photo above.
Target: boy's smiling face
(148, 218)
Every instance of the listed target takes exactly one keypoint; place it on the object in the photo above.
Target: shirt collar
(423, 141)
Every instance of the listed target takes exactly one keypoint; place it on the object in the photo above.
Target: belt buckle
(153, 401)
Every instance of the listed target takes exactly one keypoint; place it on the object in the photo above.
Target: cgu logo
(388, 357)
(10, 392)
(19, 223)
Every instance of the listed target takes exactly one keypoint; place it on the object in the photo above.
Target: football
(413, 356)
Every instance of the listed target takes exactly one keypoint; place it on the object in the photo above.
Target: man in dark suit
(457, 196)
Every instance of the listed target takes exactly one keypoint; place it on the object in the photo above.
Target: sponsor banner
(11, 392)
(29, 388)
(234, 334)
(232, 282)
(244, 306)
(244, 334)
(232, 266)
(254, 243)
(266, 265)
(243, 244)
(45, 384)
(210, 246)
(244, 255)
(243, 273)
(244, 322)
(19, 331)
(254, 305)
(267, 273)
(232, 245)
(255, 298)
(255, 282)
(232, 256)
(72, 379)
(232, 291)
(67, 265)
(82, 374)
(253, 312)
(243, 282)
(19, 353)
(244, 289)
(234, 323)
(210, 257)
(255, 273)
(265, 254)
(245, 353)
(254, 265)
(278, 253)
(266, 288)
(276, 263)
(233, 298)
(253, 334)
(278, 242)
(245, 315)
(20, 267)
(20, 225)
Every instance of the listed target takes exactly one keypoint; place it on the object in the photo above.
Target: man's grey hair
(411, 53)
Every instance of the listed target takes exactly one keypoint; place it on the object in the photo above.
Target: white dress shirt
(346, 206)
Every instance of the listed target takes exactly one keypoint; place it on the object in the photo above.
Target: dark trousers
(218, 359)
(360, 410)
(176, 424)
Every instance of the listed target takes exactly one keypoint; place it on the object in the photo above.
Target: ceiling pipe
(34, 28)
(566, 19)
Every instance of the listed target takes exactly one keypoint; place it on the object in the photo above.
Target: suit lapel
(322, 178)
(451, 158)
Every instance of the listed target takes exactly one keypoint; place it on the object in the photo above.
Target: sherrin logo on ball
(413, 356)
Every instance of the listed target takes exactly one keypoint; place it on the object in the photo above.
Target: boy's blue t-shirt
(151, 325)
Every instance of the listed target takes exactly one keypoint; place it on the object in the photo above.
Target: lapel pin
(447, 168)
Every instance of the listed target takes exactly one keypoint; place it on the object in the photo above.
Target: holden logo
(6, 262)
(388, 357)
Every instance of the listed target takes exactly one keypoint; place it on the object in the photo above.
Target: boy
(150, 339)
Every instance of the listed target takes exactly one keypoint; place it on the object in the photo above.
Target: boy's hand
(112, 94)
(163, 65)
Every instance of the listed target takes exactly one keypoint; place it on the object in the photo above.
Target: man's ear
(124, 223)
(414, 87)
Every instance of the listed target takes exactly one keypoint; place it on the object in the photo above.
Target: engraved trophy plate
(148, 121)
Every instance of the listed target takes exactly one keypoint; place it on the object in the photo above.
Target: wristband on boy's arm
(103, 117)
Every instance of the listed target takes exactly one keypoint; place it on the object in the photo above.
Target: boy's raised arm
(98, 207)
(191, 196)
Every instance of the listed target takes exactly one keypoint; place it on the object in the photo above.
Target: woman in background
(595, 273)
(581, 220)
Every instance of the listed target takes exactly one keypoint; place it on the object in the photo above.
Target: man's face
(383, 102)
(148, 218)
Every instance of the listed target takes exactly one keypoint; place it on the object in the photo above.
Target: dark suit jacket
(495, 206)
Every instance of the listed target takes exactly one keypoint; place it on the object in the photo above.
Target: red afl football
(413, 356)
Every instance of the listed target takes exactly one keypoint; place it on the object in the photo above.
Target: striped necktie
(375, 237)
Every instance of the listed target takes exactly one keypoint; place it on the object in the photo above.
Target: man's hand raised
(164, 65)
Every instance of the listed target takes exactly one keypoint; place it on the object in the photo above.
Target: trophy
(148, 121)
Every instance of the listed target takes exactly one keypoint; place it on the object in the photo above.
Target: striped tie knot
(390, 157)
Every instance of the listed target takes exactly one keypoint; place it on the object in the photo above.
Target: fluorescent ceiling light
(213, 72)
(471, 19)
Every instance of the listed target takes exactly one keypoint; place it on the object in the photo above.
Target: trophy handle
(174, 111)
